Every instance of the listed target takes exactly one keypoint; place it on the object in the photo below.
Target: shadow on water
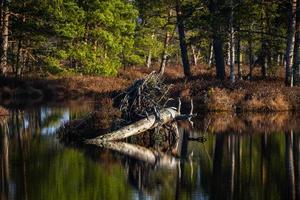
(244, 157)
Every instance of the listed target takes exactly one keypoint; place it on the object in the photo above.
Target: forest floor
(208, 93)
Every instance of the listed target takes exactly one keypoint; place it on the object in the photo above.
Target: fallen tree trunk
(164, 116)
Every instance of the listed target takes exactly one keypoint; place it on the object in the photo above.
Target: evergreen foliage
(97, 37)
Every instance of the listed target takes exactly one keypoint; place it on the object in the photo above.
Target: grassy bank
(208, 93)
(3, 112)
(259, 96)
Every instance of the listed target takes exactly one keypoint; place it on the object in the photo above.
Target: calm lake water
(229, 165)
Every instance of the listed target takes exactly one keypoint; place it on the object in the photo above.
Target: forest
(212, 46)
(98, 37)
(149, 99)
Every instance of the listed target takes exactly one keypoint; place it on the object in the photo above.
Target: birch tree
(290, 42)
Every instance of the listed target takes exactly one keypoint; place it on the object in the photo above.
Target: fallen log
(164, 116)
(143, 108)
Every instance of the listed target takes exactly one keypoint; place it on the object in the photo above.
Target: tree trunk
(278, 62)
(19, 64)
(182, 40)
(164, 56)
(238, 56)
(232, 45)
(218, 43)
(228, 52)
(219, 57)
(166, 115)
(264, 43)
(296, 61)
(149, 59)
(211, 53)
(264, 64)
(290, 43)
(4, 37)
(195, 56)
(250, 58)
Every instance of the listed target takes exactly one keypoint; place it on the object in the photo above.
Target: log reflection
(153, 157)
(147, 167)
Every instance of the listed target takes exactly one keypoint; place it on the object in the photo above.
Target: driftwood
(143, 98)
(143, 107)
(166, 115)
(152, 157)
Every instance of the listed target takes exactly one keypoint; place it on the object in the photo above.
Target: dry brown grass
(208, 93)
(244, 95)
(266, 102)
(94, 124)
(3, 111)
(218, 100)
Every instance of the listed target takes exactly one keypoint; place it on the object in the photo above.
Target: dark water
(34, 165)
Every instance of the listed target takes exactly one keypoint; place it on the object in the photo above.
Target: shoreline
(208, 94)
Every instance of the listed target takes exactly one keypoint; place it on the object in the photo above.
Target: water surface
(231, 164)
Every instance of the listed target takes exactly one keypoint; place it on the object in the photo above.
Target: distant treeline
(99, 36)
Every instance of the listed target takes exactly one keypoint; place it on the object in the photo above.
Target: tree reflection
(244, 166)
(228, 165)
(4, 158)
(290, 169)
(217, 166)
(254, 166)
(23, 151)
(296, 150)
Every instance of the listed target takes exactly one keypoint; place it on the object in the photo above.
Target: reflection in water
(252, 166)
(229, 165)
(151, 157)
(4, 161)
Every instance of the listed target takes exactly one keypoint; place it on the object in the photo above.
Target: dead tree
(144, 108)
(166, 115)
